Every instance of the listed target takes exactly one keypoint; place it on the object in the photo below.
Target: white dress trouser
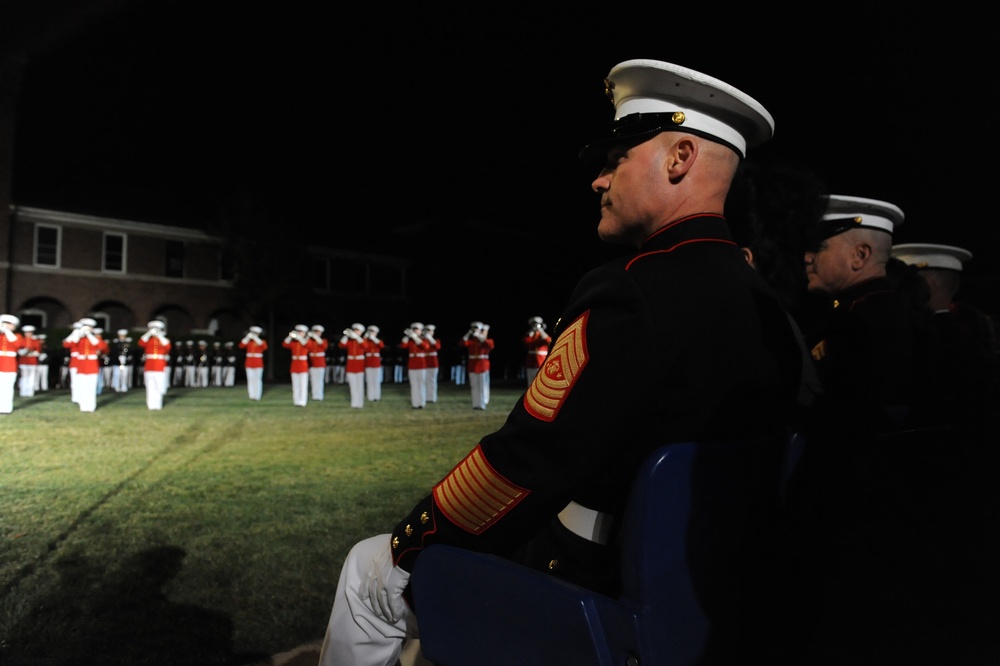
(42, 377)
(156, 386)
(418, 387)
(432, 384)
(354, 634)
(255, 383)
(479, 382)
(7, 381)
(86, 396)
(27, 387)
(300, 388)
(316, 377)
(373, 383)
(356, 383)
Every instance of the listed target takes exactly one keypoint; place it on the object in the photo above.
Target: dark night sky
(376, 118)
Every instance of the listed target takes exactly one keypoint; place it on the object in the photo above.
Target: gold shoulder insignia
(551, 386)
(474, 495)
(819, 351)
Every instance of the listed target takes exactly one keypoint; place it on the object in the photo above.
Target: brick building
(56, 267)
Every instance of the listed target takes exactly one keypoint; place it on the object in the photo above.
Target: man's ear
(748, 255)
(862, 253)
(683, 154)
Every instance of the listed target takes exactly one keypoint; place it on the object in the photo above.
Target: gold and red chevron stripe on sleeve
(562, 368)
(474, 495)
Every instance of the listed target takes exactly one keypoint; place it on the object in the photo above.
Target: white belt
(87, 357)
(7, 353)
(374, 355)
(480, 356)
(255, 355)
(299, 358)
(355, 358)
(419, 355)
(587, 523)
(543, 352)
(157, 356)
(317, 354)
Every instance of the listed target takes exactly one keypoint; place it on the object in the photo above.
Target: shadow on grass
(121, 617)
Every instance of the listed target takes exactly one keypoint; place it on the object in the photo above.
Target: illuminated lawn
(212, 531)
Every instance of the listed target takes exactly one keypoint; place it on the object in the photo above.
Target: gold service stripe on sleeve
(474, 495)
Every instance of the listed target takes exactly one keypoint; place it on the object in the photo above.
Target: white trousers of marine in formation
(418, 387)
(479, 382)
(355, 635)
(86, 395)
(156, 386)
(74, 388)
(27, 383)
(300, 389)
(356, 384)
(42, 377)
(7, 381)
(317, 376)
(432, 384)
(373, 383)
(255, 383)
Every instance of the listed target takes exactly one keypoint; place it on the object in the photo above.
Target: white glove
(9, 334)
(382, 590)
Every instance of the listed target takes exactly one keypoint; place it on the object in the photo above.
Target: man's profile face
(829, 267)
(632, 188)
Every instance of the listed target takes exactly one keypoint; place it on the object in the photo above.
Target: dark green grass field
(211, 532)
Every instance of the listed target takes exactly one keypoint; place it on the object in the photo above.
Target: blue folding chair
(693, 510)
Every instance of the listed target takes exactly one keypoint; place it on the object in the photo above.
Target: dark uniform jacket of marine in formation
(889, 502)
(722, 361)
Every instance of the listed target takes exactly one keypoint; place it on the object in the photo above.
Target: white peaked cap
(358, 327)
(652, 96)
(156, 323)
(930, 255)
(845, 212)
(256, 329)
(302, 328)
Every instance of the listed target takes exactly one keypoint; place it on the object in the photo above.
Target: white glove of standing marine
(382, 590)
